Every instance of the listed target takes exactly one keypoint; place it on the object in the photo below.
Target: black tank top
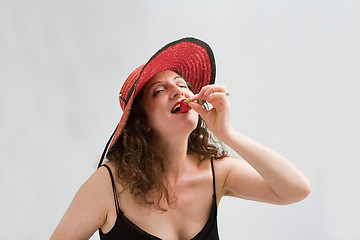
(124, 229)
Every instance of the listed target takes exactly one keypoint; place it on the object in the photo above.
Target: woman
(166, 175)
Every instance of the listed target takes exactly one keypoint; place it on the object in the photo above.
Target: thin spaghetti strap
(114, 189)
(213, 174)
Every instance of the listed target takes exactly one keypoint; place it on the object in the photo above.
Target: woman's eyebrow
(159, 82)
(153, 84)
(179, 77)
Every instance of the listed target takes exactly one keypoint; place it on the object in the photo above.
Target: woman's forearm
(287, 182)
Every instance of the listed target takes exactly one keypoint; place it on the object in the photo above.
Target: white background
(292, 68)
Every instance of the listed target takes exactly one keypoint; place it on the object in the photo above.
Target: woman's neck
(174, 154)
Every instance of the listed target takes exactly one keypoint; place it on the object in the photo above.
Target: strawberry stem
(187, 100)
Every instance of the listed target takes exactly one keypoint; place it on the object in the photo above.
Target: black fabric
(126, 230)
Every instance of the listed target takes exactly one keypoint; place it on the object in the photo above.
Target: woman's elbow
(300, 193)
(305, 191)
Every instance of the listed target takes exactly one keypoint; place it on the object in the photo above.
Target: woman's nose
(176, 91)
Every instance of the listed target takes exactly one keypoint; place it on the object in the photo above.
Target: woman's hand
(218, 118)
(268, 176)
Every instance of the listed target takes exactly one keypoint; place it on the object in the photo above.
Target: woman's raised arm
(266, 175)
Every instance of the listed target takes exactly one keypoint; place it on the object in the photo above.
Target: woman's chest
(184, 217)
(184, 220)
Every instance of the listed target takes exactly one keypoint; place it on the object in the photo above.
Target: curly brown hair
(139, 165)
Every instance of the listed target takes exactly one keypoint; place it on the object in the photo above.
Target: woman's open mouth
(176, 108)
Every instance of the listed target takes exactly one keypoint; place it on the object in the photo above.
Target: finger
(216, 99)
(215, 87)
(194, 97)
(210, 89)
(198, 108)
(216, 96)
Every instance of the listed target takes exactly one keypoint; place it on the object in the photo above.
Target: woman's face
(161, 94)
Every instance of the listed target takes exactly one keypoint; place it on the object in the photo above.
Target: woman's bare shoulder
(222, 168)
(104, 174)
(89, 208)
(98, 186)
(220, 165)
(225, 164)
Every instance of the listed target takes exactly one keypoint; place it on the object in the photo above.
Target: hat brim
(192, 58)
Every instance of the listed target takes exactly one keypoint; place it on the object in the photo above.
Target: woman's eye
(157, 92)
(183, 86)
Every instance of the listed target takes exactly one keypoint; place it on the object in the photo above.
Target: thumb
(198, 108)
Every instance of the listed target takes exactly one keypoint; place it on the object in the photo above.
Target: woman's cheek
(155, 116)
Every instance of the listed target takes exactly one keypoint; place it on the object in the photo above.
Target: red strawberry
(184, 107)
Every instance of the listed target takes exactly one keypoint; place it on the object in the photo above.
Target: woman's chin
(189, 123)
(181, 124)
(182, 129)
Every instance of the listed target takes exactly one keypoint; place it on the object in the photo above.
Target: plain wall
(292, 68)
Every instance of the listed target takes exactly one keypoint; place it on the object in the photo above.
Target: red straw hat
(191, 58)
